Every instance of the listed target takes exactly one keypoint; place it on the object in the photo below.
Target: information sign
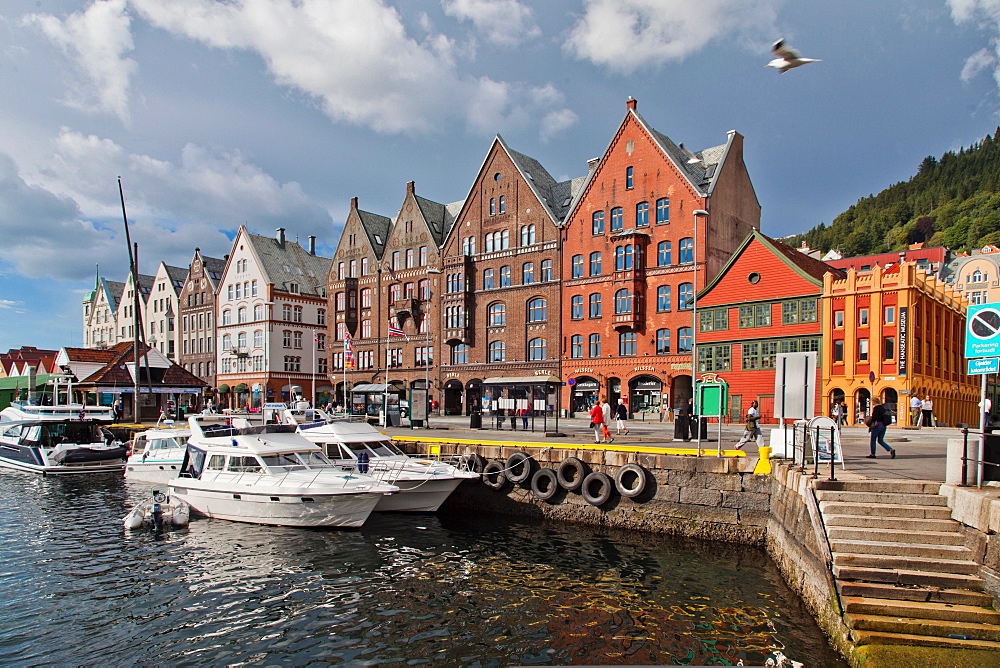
(984, 365)
(982, 332)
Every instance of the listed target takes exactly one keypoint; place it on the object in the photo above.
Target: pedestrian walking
(927, 411)
(839, 414)
(915, 404)
(621, 415)
(608, 413)
(986, 406)
(751, 429)
(524, 417)
(877, 422)
(597, 421)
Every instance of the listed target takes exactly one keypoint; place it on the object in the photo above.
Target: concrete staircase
(901, 566)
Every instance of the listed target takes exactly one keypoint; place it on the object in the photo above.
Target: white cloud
(11, 305)
(976, 63)
(96, 40)
(352, 56)
(986, 14)
(624, 35)
(505, 22)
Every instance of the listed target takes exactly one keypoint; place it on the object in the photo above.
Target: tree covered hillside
(954, 202)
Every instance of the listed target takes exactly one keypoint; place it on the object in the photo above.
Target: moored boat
(54, 440)
(157, 455)
(159, 512)
(269, 474)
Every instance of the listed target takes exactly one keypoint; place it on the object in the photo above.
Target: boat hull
(159, 472)
(37, 462)
(307, 509)
(418, 496)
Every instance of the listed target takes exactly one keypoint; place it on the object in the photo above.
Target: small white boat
(159, 512)
(157, 455)
(50, 440)
(424, 484)
(269, 474)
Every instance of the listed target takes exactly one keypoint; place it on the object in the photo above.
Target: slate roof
(293, 263)
(177, 276)
(115, 371)
(439, 217)
(213, 265)
(113, 290)
(557, 197)
(700, 172)
(377, 229)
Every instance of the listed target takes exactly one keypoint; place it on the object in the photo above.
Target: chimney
(592, 164)
(411, 187)
(631, 103)
(281, 237)
(354, 203)
(312, 244)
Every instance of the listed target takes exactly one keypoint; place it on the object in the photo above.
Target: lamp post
(698, 213)
(428, 353)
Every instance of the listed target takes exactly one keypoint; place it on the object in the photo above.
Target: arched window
(227, 317)
(685, 295)
(424, 288)
(504, 240)
(536, 349)
(227, 342)
(663, 253)
(395, 292)
(488, 282)
(594, 345)
(684, 340)
(617, 219)
(504, 277)
(364, 266)
(537, 310)
(241, 340)
(576, 307)
(597, 222)
(663, 342)
(340, 301)
(498, 351)
(460, 353)
(576, 345)
(528, 273)
(595, 305)
(366, 297)
(488, 245)
(340, 271)
(423, 256)
(497, 314)
(642, 214)
(241, 314)
(258, 338)
(527, 235)
(493, 207)
(595, 263)
(503, 204)
(978, 276)
(577, 270)
(623, 301)
(662, 211)
(258, 312)
(547, 270)
(663, 298)
(687, 251)
(623, 258)
(409, 258)
(353, 271)
(366, 329)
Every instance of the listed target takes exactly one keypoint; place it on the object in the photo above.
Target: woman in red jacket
(597, 421)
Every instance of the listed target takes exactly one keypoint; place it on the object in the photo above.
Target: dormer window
(293, 288)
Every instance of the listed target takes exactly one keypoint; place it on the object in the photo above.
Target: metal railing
(966, 459)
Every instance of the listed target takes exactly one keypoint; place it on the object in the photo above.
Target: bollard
(815, 473)
(965, 455)
(833, 475)
(763, 466)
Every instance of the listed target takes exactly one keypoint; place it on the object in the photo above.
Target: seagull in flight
(787, 57)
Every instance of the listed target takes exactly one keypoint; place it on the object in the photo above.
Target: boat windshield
(296, 461)
(52, 434)
(378, 448)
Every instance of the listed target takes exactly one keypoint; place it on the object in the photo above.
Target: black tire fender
(493, 475)
(631, 480)
(571, 472)
(544, 484)
(520, 467)
(473, 461)
(597, 488)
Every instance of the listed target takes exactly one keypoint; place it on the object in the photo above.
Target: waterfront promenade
(920, 453)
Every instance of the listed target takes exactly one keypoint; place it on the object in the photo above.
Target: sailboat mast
(135, 306)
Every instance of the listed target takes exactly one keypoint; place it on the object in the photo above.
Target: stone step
(887, 486)
(908, 577)
(923, 564)
(923, 627)
(880, 498)
(906, 550)
(883, 638)
(901, 524)
(884, 510)
(896, 535)
(921, 610)
(914, 593)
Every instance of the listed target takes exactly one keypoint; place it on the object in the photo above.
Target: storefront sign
(901, 352)
(649, 385)
(587, 385)
(644, 368)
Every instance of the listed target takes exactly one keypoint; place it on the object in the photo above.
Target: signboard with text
(901, 352)
(982, 331)
(981, 365)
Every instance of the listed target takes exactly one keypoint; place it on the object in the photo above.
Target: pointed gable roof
(376, 228)
(114, 366)
(287, 262)
(555, 196)
(807, 267)
(440, 217)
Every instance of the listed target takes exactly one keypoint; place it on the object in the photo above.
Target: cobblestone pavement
(920, 453)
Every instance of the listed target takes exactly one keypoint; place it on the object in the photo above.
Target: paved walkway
(920, 453)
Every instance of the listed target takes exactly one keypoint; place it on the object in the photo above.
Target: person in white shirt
(915, 410)
(751, 430)
(927, 409)
(986, 406)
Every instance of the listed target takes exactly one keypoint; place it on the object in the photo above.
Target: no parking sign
(982, 333)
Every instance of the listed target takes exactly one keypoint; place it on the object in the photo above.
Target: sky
(275, 113)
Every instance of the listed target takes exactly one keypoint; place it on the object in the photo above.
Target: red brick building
(500, 307)
(765, 301)
(632, 262)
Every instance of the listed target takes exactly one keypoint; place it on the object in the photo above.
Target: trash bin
(476, 421)
(681, 427)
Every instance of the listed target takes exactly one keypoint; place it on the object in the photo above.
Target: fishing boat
(159, 512)
(157, 455)
(269, 474)
(53, 440)
(423, 483)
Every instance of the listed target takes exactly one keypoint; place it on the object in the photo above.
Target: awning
(522, 380)
(369, 388)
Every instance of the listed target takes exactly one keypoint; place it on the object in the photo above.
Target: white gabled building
(100, 314)
(125, 312)
(162, 306)
(271, 308)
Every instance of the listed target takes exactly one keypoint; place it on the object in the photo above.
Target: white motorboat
(424, 484)
(50, 440)
(269, 474)
(159, 512)
(157, 455)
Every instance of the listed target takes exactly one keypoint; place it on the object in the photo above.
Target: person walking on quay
(621, 415)
(986, 406)
(839, 414)
(877, 422)
(597, 421)
(608, 414)
(915, 404)
(927, 409)
(752, 429)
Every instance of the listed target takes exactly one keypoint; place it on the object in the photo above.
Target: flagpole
(312, 371)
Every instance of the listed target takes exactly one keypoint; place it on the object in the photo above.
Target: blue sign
(982, 332)
(984, 365)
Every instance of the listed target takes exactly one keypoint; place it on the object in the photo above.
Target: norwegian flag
(348, 352)
(394, 330)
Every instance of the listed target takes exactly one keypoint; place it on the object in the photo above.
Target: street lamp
(698, 213)
(427, 358)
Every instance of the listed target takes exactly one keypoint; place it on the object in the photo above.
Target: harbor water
(464, 591)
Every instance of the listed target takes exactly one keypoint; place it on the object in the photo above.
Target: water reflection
(457, 591)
